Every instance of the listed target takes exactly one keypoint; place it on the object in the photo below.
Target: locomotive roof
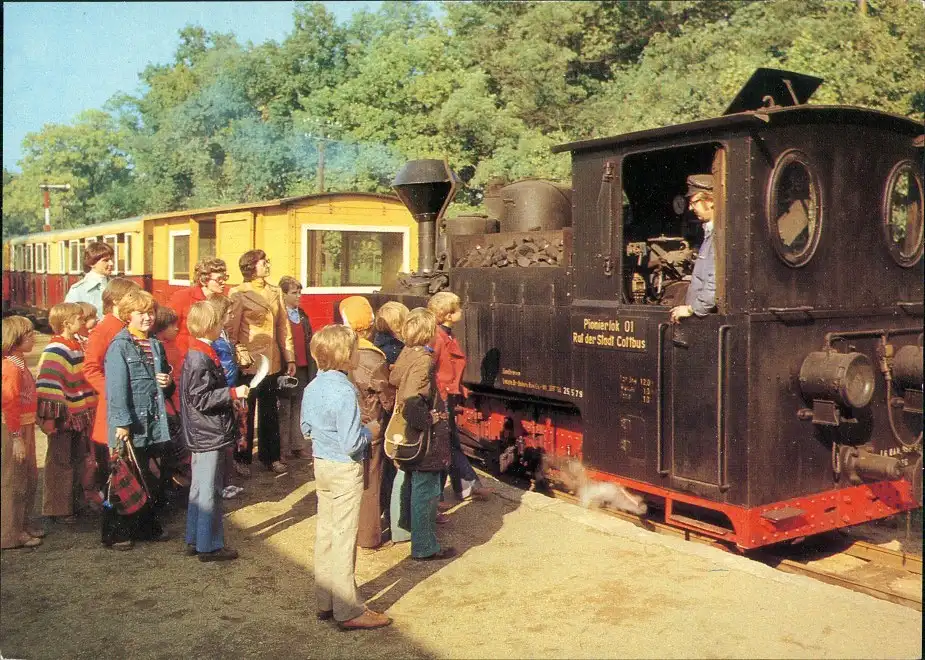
(103, 226)
(719, 126)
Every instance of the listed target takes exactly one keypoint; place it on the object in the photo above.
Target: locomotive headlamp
(907, 367)
(843, 378)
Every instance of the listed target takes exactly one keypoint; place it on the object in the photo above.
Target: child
(389, 320)
(290, 399)
(136, 377)
(417, 486)
(175, 462)
(94, 357)
(226, 355)
(331, 415)
(90, 320)
(377, 398)
(449, 364)
(66, 405)
(209, 427)
(20, 474)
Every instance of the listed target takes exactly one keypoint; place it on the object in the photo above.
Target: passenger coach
(336, 244)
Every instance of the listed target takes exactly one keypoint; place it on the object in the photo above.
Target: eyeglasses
(221, 279)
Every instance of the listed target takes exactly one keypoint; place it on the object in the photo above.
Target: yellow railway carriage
(336, 244)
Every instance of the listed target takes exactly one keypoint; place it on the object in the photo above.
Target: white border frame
(40, 250)
(115, 251)
(128, 240)
(173, 234)
(381, 229)
(70, 262)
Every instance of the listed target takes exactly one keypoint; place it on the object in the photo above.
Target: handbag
(127, 490)
(404, 443)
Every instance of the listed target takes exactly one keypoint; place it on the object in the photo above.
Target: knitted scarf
(63, 393)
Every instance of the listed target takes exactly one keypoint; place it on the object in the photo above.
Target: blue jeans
(400, 507)
(204, 526)
(425, 491)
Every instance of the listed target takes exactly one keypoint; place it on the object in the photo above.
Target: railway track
(877, 571)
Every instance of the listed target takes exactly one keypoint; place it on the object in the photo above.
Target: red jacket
(94, 359)
(450, 362)
(180, 302)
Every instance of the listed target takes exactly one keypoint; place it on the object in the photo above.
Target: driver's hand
(680, 312)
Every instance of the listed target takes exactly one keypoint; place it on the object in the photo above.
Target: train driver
(701, 295)
(98, 260)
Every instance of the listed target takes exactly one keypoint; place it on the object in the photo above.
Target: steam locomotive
(795, 409)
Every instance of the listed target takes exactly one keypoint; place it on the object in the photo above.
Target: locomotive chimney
(426, 188)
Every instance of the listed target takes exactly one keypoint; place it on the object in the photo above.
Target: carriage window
(74, 248)
(352, 258)
(125, 255)
(29, 258)
(112, 241)
(206, 239)
(903, 215)
(179, 257)
(40, 258)
(794, 209)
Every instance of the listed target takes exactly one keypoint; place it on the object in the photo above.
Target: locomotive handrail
(721, 389)
(660, 367)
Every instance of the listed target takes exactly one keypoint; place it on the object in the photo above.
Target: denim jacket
(133, 396)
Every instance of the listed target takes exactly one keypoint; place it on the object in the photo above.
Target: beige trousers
(339, 487)
(18, 482)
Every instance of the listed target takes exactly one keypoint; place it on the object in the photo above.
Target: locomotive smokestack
(426, 187)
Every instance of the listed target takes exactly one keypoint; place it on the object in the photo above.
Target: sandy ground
(536, 577)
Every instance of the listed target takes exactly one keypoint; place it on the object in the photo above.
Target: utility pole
(46, 189)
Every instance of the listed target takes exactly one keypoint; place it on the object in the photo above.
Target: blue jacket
(206, 401)
(225, 352)
(701, 295)
(133, 396)
(331, 415)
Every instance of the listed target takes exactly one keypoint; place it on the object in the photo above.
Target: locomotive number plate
(619, 333)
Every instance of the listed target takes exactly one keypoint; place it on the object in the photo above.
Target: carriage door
(234, 235)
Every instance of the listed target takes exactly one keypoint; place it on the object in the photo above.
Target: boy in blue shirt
(331, 415)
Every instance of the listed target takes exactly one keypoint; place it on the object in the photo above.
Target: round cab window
(903, 214)
(794, 210)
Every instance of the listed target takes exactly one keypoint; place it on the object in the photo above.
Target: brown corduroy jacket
(258, 325)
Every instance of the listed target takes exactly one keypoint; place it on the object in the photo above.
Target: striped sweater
(63, 393)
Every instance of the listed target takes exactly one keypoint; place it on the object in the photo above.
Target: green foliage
(490, 85)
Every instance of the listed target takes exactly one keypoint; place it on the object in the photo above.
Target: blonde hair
(443, 304)
(420, 327)
(63, 313)
(391, 317)
(115, 289)
(202, 319)
(15, 328)
(89, 311)
(333, 347)
(136, 300)
(221, 303)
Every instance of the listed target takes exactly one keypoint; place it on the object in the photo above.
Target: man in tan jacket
(258, 325)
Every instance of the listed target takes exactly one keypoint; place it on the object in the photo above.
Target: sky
(60, 58)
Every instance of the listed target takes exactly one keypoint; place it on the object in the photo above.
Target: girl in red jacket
(450, 363)
(20, 474)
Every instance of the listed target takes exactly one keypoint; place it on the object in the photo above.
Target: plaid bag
(127, 493)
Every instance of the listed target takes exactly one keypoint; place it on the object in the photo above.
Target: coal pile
(522, 253)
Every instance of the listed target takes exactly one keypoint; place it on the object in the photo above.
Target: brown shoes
(445, 553)
(366, 621)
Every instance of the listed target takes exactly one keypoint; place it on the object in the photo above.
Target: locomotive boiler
(796, 407)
